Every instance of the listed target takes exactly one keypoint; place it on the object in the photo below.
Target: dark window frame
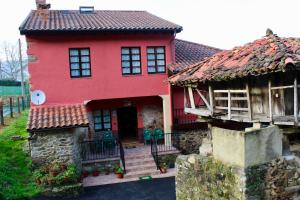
(80, 62)
(131, 61)
(156, 59)
(102, 120)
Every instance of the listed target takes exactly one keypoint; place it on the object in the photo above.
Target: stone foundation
(57, 146)
(190, 141)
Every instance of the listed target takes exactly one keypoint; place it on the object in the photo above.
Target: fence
(11, 106)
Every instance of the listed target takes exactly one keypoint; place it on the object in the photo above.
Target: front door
(127, 123)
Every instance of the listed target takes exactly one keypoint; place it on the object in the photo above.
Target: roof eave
(28, 32)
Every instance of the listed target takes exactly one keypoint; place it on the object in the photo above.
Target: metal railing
(99, 149)
(172, 144)
(122, 156)
(154, 151)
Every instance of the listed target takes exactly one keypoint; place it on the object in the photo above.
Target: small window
(156, 60)
(80, 64)
(102, 120)
(131, 60)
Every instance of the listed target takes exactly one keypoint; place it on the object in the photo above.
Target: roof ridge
(199, 44)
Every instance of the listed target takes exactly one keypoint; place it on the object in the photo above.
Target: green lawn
(16, 181)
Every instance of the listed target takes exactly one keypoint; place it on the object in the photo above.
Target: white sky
(219, 23)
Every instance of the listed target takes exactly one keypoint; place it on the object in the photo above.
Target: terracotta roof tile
(189, 53)
(99, 20)
(268, 54)
(63, 116)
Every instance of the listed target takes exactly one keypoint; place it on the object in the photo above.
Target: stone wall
(190, 141)
(57, 146)
(152, 116)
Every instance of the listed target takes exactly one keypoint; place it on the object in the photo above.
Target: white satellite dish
(38, 97)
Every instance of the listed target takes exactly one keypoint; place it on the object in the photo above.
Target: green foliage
(255, 182)
(206, 179)
(168, 160)
(16, 179)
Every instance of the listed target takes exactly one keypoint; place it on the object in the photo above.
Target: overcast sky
(219, 23)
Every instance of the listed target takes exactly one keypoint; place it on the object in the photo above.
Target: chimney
(43, 8)
(42, 5)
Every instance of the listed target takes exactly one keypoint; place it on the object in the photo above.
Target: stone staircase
(139, 163)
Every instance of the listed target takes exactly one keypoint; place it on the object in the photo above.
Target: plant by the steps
(120, 172)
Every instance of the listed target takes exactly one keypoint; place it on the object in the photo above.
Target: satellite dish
(38, 97)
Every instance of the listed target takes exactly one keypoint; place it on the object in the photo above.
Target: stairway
(139, 162)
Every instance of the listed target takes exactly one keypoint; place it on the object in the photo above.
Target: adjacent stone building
(56, 133)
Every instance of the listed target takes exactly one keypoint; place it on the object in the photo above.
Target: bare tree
(10, 67)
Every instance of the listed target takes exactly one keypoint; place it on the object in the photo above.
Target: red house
(115, 63)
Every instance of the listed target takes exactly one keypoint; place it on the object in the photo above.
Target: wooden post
(229, 105)
(249, 102)
(19, 107)
(211, 99)
(204, 99)
(296, 100)
(11, 107)
(270, 100)
(1, 113)
(191, 95)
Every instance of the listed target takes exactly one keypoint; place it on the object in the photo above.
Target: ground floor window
(102, 120)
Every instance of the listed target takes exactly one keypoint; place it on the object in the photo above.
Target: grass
(16, 181)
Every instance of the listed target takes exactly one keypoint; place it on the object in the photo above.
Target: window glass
(85, 52)
(74, 59)
(85, 59)
(156, 59)
(80, 65)
(75, 66)
(74, 53)
(75, 73)
(131, 60)
(102, 120)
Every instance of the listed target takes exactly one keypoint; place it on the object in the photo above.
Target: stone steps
(140, 163)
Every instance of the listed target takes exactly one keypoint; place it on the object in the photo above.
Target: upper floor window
(102, 120)
(80, 64)
(156, 59)
(131, 60)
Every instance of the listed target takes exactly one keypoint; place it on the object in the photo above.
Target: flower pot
(85, 174)
(163, 170)
(120, 176)
(95, 173)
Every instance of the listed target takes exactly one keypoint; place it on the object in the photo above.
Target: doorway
(127, 123)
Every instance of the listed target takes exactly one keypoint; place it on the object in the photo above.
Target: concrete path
(156, 189)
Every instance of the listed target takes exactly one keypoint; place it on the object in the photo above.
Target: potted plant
(70, 174)
(54, 169)
(163, 168)
(89, 170)
(116, 167)
(38, 176)
(120, 172)
(95, 171)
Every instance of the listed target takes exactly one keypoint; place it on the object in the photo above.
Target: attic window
(86, 9)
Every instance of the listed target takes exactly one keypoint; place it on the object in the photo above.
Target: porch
(137, 160)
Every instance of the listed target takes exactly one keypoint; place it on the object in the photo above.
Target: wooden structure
(257, 82)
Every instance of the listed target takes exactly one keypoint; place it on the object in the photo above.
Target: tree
(10, 66)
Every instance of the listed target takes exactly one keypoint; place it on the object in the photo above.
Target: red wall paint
(51, 71)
